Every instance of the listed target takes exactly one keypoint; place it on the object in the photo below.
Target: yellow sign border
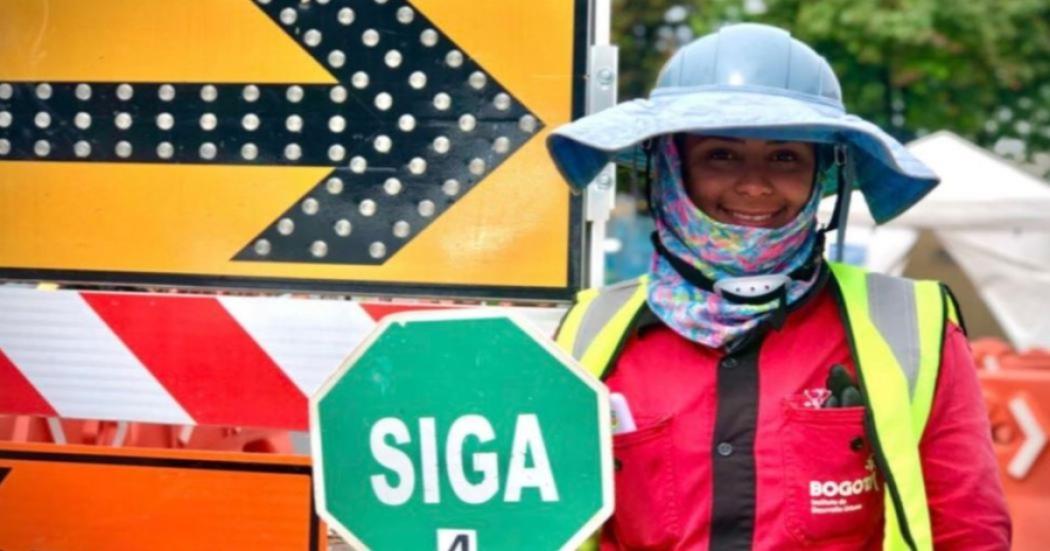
(316, 280)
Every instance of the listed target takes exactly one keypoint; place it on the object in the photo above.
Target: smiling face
(747, 182)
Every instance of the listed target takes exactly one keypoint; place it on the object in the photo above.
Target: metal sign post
(602, 71)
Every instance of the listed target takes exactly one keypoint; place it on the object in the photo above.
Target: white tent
(992, 217)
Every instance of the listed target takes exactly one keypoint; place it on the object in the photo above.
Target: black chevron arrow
(413, 124)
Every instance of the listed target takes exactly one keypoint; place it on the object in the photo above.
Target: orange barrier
(1017, 392)
(25, 428)
(994, 354)
(71, 498)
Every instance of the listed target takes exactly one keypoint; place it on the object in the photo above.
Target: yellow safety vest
(895, 329)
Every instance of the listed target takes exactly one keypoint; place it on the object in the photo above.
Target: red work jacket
(730, 452)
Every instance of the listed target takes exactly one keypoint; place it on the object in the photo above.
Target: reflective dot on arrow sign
(409, 105)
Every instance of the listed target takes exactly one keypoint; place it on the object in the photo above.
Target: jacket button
(729, 362)
(725, 449)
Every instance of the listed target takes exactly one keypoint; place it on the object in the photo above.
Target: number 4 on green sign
(528, 447)
(457, 540)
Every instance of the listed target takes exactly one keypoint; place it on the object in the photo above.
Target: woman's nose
(753, 183)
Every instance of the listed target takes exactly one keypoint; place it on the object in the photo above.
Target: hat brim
(890, 177)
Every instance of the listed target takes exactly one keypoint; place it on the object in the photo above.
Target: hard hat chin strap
(845, 174)
(647, 147)
(760, 289)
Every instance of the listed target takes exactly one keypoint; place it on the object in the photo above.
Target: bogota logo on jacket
(842, 496)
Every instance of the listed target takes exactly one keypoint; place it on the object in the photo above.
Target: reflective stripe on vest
(895, 328)
(596, 326)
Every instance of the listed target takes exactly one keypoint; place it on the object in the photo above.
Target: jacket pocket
(646, 515)
(834, 494)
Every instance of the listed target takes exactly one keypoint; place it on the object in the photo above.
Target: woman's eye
(721, 155)
(785, 156)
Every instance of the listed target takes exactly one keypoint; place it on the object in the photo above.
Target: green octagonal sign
(460, 431)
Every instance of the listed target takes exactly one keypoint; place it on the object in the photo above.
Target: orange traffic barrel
(1016, 388)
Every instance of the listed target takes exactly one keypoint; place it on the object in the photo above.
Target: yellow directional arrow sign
(363, 145)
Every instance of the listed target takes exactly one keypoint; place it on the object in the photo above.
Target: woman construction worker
(766, 398)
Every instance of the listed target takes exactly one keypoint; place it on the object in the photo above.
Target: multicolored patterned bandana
(719, 251)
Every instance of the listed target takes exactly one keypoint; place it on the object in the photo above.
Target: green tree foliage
(980, 68)
(647, 33)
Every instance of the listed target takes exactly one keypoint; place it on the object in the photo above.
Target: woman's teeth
(752, 218)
